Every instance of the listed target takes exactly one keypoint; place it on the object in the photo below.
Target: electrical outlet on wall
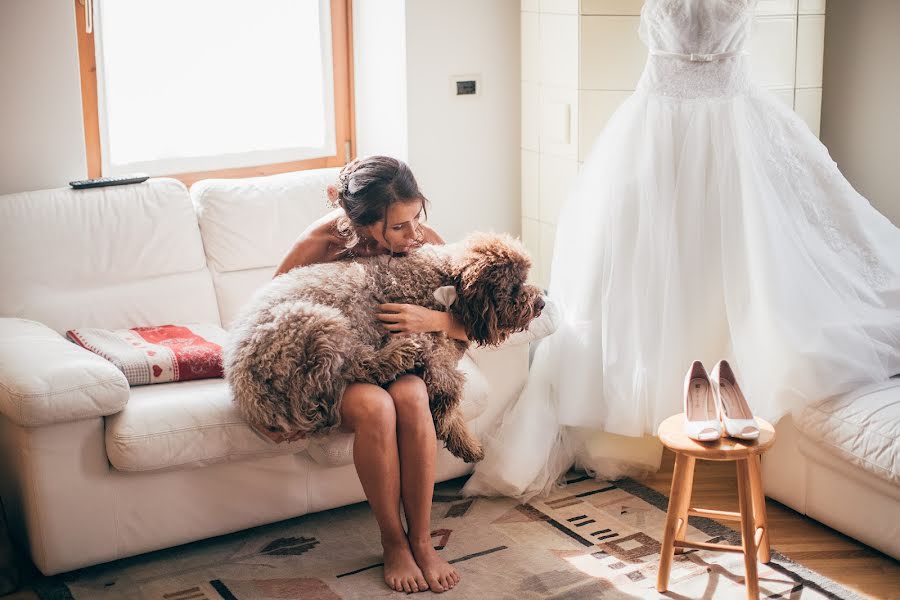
(465, 85)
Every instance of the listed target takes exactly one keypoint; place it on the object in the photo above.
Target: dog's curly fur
(309, 333)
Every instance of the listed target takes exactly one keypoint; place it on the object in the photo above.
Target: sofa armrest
(44, 378)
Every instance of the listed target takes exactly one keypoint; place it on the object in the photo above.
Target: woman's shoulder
(326, 225)
(430, 236)
(319, 242)
(323, 232)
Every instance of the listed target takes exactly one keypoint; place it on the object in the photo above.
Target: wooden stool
(752, 501)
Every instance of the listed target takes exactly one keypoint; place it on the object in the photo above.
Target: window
(224, 88)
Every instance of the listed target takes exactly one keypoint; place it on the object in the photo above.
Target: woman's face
(402, 231)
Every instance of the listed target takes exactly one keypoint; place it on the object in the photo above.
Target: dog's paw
(404, 353)
(469, 454)
(468, 450)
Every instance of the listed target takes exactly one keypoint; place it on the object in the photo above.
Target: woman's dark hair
(367, 187)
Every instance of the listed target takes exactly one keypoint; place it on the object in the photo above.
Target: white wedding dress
(707, 222)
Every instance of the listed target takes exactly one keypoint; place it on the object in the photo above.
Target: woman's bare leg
(368, 411)
(416, 440)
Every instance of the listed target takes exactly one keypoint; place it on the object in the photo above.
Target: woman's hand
(411, 318)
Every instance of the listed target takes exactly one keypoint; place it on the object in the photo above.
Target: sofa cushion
(337, 449)
(184, 424)
(248, 225)
(44, 378)
(861, 427)
(112, 257)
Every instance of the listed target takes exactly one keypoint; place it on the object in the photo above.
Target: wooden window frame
(345, 127)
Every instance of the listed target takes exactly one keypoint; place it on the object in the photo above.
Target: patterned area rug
(594, 539)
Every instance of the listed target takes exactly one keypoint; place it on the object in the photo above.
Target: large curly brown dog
(312, 331)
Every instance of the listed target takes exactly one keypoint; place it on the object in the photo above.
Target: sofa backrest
(114, 257)
(248, 225)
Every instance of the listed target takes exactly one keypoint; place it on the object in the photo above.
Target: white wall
(463, 150)
(379, 67)
(861, 98)
(41, 131)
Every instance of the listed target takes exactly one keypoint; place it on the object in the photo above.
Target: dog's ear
(475, 310)
(492, 266)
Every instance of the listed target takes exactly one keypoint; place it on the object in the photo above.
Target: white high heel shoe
(701, 414)
(737, 418)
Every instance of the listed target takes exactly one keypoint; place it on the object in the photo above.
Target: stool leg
(751, 581)
(686, 489)
(759, 507)
(675, 500)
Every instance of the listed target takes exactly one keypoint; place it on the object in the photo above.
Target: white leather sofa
(839, 463)
(92, 470)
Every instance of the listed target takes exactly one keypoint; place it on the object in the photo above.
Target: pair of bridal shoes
(715, 402)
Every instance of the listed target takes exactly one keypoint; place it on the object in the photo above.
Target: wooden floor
(806, 541)
(855, 566)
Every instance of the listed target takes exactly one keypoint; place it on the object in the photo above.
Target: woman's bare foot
(401, 572)
(439, 574)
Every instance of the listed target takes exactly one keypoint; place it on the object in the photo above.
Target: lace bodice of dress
(696, 26)
(715, 32)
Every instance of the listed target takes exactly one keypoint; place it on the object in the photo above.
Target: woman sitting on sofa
(379, 208)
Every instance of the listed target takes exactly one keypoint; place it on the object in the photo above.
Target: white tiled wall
(531, 182)
(808, 104)
(611, 7)
(776, 7)
(612, 55)
(558, 46)
(582, 58)
(595, 108)
(556, 174)
(773, 50)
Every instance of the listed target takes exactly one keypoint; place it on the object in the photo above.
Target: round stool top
(671, 434)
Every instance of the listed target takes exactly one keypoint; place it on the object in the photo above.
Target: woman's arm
(452, 327)
(412, 318)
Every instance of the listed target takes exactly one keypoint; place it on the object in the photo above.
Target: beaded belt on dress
(699, 57)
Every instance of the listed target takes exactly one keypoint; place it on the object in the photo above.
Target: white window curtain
(197, 85)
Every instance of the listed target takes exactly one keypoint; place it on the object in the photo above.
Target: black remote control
(104, 181)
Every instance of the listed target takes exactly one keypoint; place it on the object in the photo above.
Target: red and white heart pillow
(158, 354)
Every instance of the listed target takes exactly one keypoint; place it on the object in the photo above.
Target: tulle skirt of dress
(699, 228)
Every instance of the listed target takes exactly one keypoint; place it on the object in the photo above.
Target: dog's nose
(539, 304)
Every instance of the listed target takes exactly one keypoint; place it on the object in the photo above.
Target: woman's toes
(421, 583)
